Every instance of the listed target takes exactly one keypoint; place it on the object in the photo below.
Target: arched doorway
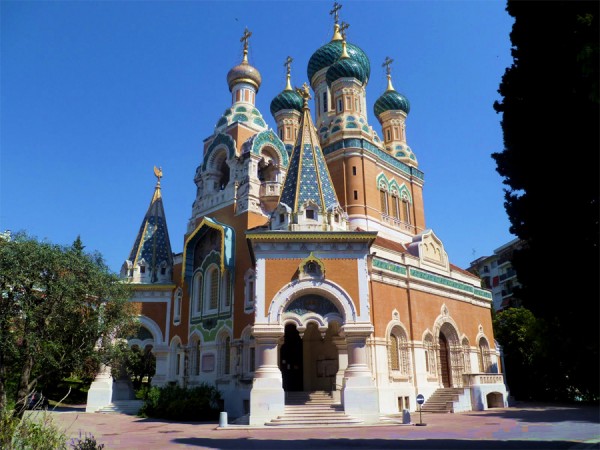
(445, 365)
(291, 359)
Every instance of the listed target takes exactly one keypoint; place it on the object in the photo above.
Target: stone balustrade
(478, 379)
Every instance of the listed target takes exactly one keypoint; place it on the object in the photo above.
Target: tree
(550, 120)
(58, 303)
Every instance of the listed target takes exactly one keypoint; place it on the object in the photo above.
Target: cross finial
(343, 27)
(158, 174)
(288, 64)
(334, 11)
(387, 63)
(244, 39)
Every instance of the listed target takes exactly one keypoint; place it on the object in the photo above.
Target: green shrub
(86, 442)
(200, 403)
(32, 432)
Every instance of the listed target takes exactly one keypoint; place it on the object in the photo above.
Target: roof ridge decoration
(152, 243)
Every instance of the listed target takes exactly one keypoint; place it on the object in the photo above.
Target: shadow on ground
(548, 413)
(375, 444)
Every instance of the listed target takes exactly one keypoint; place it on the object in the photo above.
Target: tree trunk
(2, 382)
(24, 387)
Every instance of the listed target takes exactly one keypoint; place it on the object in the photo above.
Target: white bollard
(223, 419)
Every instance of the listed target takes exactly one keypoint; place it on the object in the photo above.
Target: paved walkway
(525, 426)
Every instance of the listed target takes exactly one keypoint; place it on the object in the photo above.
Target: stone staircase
(311, 409)
(130, 407)
(442, 400)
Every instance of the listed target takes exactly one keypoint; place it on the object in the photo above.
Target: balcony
(396, 223)
(270, 189)
(478, 379)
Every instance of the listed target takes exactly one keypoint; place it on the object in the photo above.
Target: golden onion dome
(244, 72)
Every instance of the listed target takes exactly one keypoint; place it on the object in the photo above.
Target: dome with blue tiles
(286, 100)
(391, 100)
(329, 53)
(346, 67)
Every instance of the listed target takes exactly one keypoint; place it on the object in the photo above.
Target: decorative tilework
(223, 139)
(258, 141)
(390, 266)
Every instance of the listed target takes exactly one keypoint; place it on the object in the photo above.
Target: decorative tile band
(392, 267)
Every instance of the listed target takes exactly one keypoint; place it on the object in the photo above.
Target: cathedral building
(307, 265)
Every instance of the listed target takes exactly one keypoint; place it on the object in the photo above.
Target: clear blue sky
(94, 94)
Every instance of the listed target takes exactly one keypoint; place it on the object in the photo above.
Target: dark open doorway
(291, 362)
(445, 361)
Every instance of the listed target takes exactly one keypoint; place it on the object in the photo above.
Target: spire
(308, 179)
(343, 29)
(152, 247)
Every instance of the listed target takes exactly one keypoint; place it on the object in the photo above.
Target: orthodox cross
(245, 38)
(343, 27)
(288, 64)
(158, 174)
(388, 61)
(334, 11)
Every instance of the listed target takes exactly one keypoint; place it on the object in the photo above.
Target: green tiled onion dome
(244, 72)
(286, 99)
(331, 52)
(391, 100)
(346, 68)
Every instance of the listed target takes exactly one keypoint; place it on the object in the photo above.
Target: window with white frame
(226, 290)
(177, 306)
(399, 354)
(225, 356)
(211, 289)
(197, 294)
(249, 289)
(429, 355)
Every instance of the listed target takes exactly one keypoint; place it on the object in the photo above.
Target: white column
(340, 343)
(267, 398)
(359, 392)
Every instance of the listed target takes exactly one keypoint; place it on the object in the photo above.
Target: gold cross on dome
(245, 38)
(343, 27)
(387, 63)
(334, 11)
(288, 64)
(304, 92)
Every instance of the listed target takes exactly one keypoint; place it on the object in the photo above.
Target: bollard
(405, 416)
(222, 419)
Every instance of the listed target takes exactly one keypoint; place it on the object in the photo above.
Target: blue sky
(94, 94)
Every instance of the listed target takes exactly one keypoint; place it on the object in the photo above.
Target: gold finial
(244, 39)
(343, 29)
(304, 92)
(387, 63)
(336, 28)
(158, 174)
(288, 65)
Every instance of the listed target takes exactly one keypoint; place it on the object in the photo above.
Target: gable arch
(222, 141)
(153, 327)
(382, 182)
(268, 139)
(324, 288)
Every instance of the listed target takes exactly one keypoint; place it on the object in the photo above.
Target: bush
(30, 434)
(196, 404)
(86, 442)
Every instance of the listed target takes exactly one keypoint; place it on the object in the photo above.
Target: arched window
(249, 290)
(195, 356)
(484, 355)
(197, 294)
(177, 306)
(211, 289)
(226, 301)
(406, 210)
(429, 355)
(467, 355)
(395, 206)
(225, 356)
(399, 354)
(383, 200)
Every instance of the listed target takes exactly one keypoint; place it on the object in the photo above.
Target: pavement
(523, 426)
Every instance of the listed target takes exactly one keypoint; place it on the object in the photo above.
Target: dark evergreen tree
(550, 119)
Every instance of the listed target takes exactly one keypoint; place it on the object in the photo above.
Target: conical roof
(152, 243)
(308, 178)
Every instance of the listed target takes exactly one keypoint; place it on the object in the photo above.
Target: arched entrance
(291, 359)
(445, 364)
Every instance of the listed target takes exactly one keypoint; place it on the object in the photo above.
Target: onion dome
(391, 100)
(288, 98)
(331, 52)
(346, 67)
(244, 72)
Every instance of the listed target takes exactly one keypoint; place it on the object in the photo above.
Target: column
(267, 398)
(340, 343)
(359, 393)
